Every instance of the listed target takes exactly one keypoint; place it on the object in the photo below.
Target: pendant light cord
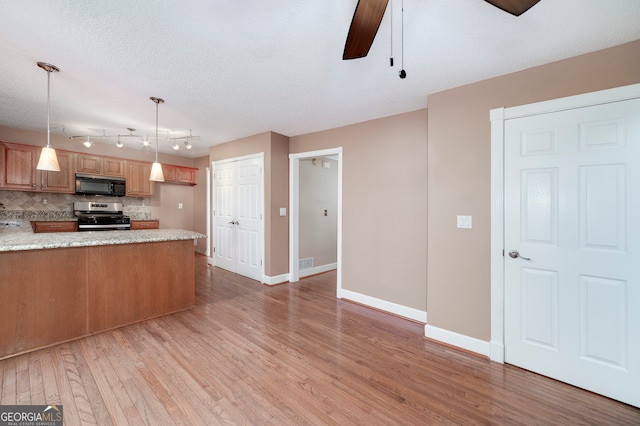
(156, 130)
(48, 108)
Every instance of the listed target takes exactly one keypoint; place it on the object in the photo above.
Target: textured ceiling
(233, 68)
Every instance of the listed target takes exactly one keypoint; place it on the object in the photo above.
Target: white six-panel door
(224, 216)
(238, 216)
(572, 206)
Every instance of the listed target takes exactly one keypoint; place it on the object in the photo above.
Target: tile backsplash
(21, 205)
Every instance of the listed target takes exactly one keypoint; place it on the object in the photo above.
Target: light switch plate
(283, 211)
(464, 222)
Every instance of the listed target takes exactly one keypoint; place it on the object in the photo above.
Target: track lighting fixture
(144, 140)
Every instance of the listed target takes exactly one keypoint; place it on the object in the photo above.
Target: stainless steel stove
(98, 216)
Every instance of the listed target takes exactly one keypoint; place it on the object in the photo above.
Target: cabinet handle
(55, 226)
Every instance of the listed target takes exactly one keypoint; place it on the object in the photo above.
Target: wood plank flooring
(291, 354)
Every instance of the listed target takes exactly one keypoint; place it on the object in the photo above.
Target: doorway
(565, 289)
(238, 215)
(294, 209)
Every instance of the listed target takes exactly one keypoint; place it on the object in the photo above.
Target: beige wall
(384, 205)
(277, 180)
(459, 175)
(165, 205)
(276, 193)
(200, 202)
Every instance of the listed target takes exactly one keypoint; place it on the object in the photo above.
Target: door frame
(498, 116)
(294, 212)
(212, 201)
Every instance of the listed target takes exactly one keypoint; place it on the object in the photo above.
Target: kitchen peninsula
(62, 286)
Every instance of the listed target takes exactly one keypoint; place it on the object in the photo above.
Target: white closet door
(238, 217)
(572, 296)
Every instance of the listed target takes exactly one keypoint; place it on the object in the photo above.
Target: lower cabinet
(51, 296)
(144, 224)
(54, 226)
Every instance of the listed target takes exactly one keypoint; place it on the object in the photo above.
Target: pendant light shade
(48, 159)
(156, 172)
(156, 168)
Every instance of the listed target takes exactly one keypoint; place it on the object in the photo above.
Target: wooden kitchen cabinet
(18, 165)
(138, 183)
(18, 171)
(41, 226)
(99, 165)
(180, 174)
(55, 295)
(62, 181)
(144, 224)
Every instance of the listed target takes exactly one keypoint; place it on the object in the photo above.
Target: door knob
(514, 254)
(233, 222)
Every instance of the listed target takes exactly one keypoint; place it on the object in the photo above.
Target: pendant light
(156, 168)
(48, 159)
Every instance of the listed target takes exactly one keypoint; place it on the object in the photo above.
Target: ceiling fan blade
(363, 29)
(514, 7)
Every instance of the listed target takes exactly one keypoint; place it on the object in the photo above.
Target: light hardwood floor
(289, 354)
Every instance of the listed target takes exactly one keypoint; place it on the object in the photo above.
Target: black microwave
(100, 185)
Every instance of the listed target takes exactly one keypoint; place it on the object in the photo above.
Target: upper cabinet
(18, 171)
(99, 165)
(62, 181)
(180, 174)
(18, 165)
(138, 183)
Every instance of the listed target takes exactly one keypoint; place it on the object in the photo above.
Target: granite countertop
(11, 240)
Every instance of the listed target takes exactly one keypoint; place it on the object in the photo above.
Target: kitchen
(52, 247)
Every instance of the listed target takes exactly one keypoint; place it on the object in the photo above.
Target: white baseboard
(317, 269)
(459, 340)
(383, 305)
(278, 279)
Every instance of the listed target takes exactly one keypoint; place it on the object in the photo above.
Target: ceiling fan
(369, 13)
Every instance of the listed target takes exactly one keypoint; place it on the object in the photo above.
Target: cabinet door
(180, 174)
(62, 181)
(112, 166)
(186, 175)
(90, 164)
(19, 170)
(169, 172)
(138, 183)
